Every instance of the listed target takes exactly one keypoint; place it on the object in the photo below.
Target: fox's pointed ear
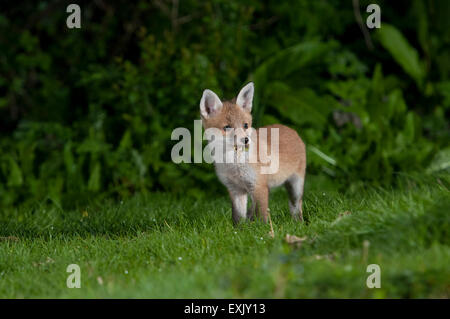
(245, 97)
(210, 104)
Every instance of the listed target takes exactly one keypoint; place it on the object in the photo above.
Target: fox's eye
(246, 125)
(226, 128)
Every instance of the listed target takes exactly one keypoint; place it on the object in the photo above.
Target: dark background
(88, 113)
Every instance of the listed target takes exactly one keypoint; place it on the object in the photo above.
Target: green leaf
(126, 141)
(15, 175)
(291, 59)
(409, 128)
(441, 161)
(139, 162)
(402, 52)
(69, 160)
(396, 105)
(94, 179)
(283, 64)
(300, 106)
(322, 155)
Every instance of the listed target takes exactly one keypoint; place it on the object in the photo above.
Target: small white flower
(179, 258)
(261, 238)
(126, 272)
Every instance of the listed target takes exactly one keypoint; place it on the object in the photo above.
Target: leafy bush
(89, 112)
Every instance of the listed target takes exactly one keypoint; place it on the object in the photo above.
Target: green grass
(159, 246)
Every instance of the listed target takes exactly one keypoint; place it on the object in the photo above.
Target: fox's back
(291, 153)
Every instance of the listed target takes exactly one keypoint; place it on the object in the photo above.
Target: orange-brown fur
(292, 156)
(292, 161)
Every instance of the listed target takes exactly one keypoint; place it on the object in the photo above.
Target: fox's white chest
(236, 176)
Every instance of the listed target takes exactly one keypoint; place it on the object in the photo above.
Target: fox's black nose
(245, 140)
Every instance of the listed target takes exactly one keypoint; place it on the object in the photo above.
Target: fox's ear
(210, 104)
(245, 97)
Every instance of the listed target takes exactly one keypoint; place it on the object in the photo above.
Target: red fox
(234, 120)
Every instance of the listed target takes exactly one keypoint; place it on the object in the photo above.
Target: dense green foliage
(154, 246)
(89, 112)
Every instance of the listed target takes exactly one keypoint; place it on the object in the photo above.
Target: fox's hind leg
(294, 186)
(261, 199)
(238, 204)
(251, 210)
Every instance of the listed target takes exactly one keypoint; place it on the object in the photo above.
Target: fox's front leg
(238, 205)
(261, 199)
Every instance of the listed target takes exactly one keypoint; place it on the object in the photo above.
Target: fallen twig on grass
(9, 238)
(294, 240)
(271, 233)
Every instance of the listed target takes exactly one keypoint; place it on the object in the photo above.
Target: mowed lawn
(162, 246)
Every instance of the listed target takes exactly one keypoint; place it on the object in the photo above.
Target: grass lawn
(161, 246)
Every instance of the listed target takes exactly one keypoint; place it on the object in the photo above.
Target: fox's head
(233, 118)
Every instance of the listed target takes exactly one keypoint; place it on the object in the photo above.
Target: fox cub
(242, 178)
